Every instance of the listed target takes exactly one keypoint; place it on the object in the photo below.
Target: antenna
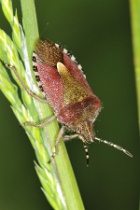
(115, 146)
(87, 154)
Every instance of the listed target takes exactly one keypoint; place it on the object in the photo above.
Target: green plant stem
(62, 167)
(30, 24)
(135, 25)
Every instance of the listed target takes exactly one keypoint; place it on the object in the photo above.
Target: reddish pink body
(61, 79)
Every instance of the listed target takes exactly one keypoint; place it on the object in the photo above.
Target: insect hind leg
(13, 68)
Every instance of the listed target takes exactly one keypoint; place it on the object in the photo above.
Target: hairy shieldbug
(66, 89)
(61, 79)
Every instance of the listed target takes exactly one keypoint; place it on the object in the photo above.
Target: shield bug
(63, 83)
(66, 89)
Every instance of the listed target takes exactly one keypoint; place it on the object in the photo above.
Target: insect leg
(23, 84)
(58, 139)
(69, 137)
(41, 124)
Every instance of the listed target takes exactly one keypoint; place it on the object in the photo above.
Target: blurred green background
(98, 33)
